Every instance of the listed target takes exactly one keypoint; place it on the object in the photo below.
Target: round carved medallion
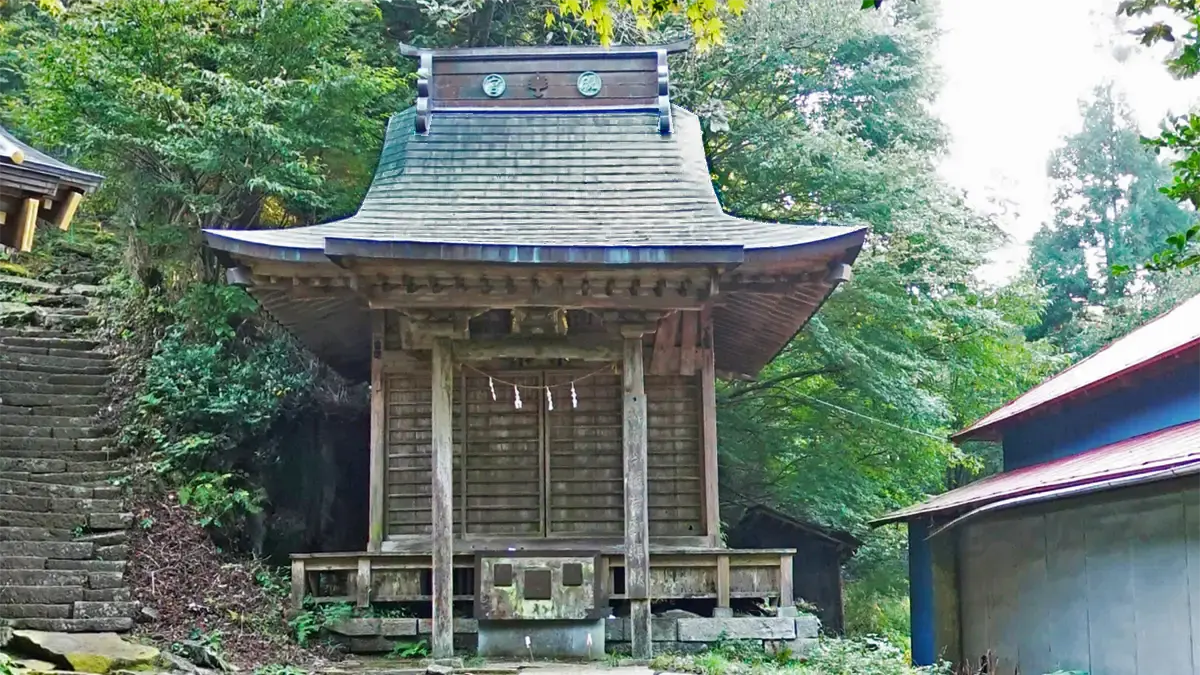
(494, 85)
(589, 84)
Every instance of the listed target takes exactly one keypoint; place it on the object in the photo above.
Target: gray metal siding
(1108, 584)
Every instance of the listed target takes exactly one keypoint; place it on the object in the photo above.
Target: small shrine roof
(28, 168)
(571, 187)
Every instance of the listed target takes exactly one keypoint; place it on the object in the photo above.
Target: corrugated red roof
(1147, 454)
(1170, 333)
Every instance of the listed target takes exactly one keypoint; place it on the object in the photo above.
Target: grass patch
(832, 656)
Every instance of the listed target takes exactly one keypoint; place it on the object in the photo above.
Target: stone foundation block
(406, 627)
(737, 628)
(662, 629)
(807, 626)
(425, 626)
(800, 648)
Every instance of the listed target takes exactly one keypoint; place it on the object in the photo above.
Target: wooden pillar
(708, 431)
(442, 642)
(27, 223)
(67, 209)
(637, 528)
(723, 608)
(298, 585)
(377, 498)
(787, 597)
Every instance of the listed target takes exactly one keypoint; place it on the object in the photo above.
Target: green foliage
(832, 656)
(409, 650)
(207, 391)
(1108, 215)
(212, 114)
(7, 666)
(276, 581)
(815, 113)
(217, 501)
(315, 616)
(1180, 135)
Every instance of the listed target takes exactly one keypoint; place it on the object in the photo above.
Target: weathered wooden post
(637, 530)
(442, 643)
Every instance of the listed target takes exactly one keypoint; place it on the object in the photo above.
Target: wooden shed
(33, 186)
(542, 288)
(817, 566)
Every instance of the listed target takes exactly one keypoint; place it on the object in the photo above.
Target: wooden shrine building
(34, 185)
(542, 288)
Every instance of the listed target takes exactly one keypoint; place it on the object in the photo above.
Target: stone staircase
(63, 524)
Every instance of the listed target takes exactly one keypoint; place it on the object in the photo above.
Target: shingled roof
(572, 187)
(542, 171)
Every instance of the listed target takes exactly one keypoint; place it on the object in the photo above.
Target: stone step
(49, 411)
(52, 465)
(59, 550)
(59, 504)
(117, 552)
(90, 355)
(54, 364)
(24, 611)
(91, 479)
(21, 400)
(70, 455)
(55, 416)
(12, 338)
(102, 539)
(52, 378)
(8, 443)
(42, 595)
(117, 566)
(25, 487)
(104, 610)
(67, 320)
(34, 431)
(9, 387)
(62, 521)
(25, 562)
(54, 369)
(116, 624)
(42, 333)
(43, 578)
(13, 463)
(18, 534)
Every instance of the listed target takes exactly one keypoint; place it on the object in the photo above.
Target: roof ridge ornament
(551, 80)
(424, 75)
(664, 94)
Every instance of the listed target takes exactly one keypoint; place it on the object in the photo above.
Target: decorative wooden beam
(442, 422)
(67, 209)
(689, 332)
(665, 359)
(637, 529)
(560, 292)
(378, 487)
(27, 224)
(538, 348)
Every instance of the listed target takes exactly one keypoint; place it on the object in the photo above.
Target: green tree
(813, 113)
(212, 114)
(1108, 212)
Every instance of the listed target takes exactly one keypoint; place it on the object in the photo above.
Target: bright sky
(1014, 72)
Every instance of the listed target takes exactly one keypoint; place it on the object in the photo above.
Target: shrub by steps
(62, 521)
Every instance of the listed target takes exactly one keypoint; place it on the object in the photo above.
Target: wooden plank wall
(1108, 584)
(503, 483)
(586, 494)
(676, 464)
(534, 472)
